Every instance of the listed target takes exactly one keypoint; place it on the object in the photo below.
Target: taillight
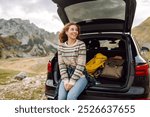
(142, 70)
(49, 67)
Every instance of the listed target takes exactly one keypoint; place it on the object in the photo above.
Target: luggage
(95, 63)
(113, 68)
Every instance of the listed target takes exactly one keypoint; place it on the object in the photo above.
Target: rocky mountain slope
(31, 40)
(142, 33)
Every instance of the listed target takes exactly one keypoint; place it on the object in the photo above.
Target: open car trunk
(103, 17)
(110, 46)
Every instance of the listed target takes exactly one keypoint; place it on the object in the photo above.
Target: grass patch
(37, 93)
(39, 68)
(146, 55)
(6, 75)
(12, 59)
(14, 96)
(32, 74)
(25, 94)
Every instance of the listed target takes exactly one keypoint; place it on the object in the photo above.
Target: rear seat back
(93, 47)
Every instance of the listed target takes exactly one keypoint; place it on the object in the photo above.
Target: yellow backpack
(96, 62)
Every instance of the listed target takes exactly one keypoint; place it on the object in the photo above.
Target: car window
(96, 9)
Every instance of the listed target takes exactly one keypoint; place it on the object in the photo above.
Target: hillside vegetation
(142, 32)
(8, 42)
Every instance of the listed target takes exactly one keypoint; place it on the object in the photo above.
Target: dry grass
(146, 55)
(29, 65)
(32, 87)
(6, 75)
(28, 89)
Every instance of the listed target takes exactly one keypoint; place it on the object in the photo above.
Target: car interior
(109, 47)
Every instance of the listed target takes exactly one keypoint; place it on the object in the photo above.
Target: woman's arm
(81, 61)
(62, 65)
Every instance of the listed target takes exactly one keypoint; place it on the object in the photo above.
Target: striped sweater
(74, 56)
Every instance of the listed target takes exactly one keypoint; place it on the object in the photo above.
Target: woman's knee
(61, 97)
(62, 94)
(77, 89)
(71, 96)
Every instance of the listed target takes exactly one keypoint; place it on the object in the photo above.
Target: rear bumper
(132, 93)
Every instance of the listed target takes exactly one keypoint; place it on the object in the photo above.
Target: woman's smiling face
(72, 32)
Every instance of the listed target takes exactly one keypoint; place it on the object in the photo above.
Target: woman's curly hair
(62, 35)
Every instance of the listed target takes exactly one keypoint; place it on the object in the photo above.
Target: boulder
(21, 76)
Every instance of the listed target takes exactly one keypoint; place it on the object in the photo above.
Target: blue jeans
(74, 92)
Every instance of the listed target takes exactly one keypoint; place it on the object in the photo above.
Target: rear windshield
(96, 9)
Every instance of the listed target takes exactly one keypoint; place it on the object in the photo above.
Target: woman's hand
(68, 86)
(66, 81)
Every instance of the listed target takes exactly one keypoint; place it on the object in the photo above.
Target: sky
(43, 13)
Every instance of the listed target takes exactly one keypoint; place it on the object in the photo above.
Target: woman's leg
(77, 89)
(62, 93)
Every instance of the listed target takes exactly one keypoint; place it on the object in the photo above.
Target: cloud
(28, 5)
(142, 11)
(40, 12)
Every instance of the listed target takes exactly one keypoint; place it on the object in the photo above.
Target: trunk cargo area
(110, 48)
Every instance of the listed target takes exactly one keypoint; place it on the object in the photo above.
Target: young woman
(71, 60)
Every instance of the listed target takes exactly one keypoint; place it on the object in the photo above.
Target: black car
(105, 28)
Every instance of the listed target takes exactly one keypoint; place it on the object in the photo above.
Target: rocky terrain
(28, 38)
(29, 88)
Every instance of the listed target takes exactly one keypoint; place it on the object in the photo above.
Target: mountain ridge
(142, 33)
(34, 41)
